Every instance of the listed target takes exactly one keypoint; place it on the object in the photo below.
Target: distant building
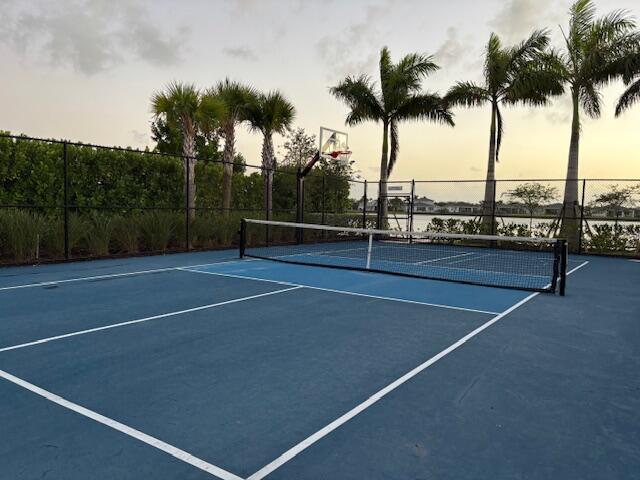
(423, 205)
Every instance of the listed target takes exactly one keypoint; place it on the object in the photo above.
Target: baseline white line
(141, 320)
(342, 292)
(634, 260)
(295, 450)
(111, 275)
(120, 427)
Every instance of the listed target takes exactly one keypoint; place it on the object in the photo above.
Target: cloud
(241, 53)
(453, 50)
(349, 52)
(518, 18)
(89, 35)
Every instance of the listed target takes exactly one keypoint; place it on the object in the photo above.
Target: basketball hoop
(341, 157)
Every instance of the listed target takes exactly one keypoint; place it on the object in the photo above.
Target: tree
(268, 114)
(236, 99)
(239, 163)
(521, 74)
(169, 140)
(617, 198)
(298, 147)
(532, 196)
(398, 98)
(597, 51)
(181, 105)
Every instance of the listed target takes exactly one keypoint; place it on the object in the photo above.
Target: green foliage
(607, 238)
(54, 237)
(100, 233)
(21, 233)
(298, 148)
(126, 233)
(169, 139)
(157, 229)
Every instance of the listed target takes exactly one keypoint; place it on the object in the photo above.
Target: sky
(85, 70)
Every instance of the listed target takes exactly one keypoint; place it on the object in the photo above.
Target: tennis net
(535, 264)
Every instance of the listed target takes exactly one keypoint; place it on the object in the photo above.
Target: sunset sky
(85, 70)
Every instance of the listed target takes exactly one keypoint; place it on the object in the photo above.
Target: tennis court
(204, 365)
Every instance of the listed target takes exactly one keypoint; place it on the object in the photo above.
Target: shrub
(21, 233)
(126, 233)
(54, 237)
(157, 228)
(100, 233)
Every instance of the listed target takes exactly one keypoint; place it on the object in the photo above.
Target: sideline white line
(342, 292)
(112, 275)
(295, 450)
(131, 432)
(634, 261)
(141, 320)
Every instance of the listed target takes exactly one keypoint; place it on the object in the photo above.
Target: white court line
(120, 427)
(634, 260)
(141, 320)
(111, 275)
(307, 442)
(443, 258)
(342, 292)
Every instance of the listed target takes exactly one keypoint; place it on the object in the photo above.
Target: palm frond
(466, 94)
(360, 96)
(591, 100)
(394, 146)
(426, 106)
(271, 113)
(630, 96)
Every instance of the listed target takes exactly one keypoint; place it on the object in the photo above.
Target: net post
(364, 206)
(564, 256)
(584, 187)
(243, 236)
(369, 249)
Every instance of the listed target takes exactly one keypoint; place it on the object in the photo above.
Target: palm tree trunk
(227, 165)
(570, 208)
(189, 160)
(382, 189)
(490, 183)
(268, 166)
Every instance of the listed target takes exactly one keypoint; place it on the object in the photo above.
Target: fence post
(493, 208)
(299, 203)
(187, 193)
(364, 207)
(584, 188)
(65, 164)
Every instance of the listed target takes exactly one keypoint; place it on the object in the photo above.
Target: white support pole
(369, 250)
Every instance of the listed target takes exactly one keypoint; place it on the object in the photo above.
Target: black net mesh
(511, 262)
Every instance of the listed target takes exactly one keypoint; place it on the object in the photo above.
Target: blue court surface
(201, 366)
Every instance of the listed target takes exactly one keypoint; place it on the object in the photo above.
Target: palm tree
(598, 50)
(521, 74)
(399, 98)
(268, 114)
(236, 98)
(181, 104)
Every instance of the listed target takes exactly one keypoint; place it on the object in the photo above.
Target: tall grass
(100, 233)
(21, 233)
(157, 229)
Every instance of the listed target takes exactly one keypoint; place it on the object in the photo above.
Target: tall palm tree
(521, 74)
(398, 98)
(268, 114)
(182, 104)
(597, 51)
(236, 98)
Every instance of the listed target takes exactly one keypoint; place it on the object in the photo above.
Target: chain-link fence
(63, 200)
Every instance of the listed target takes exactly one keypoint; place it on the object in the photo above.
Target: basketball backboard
(332, 141)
